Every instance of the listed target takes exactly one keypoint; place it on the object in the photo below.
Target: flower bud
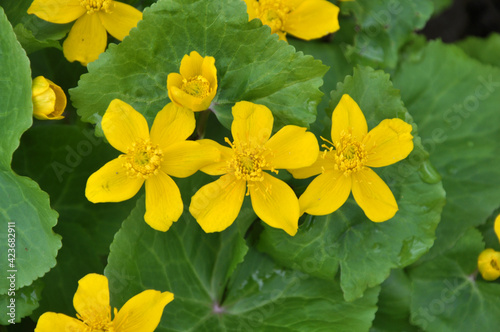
(49, 100)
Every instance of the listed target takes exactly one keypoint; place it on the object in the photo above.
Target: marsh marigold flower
(87, 37)
(149, 158)
(345, 166)
(304, 19)
(49, 100)
(196, 85)
(488, 264)
(243, 168)
(142, 313)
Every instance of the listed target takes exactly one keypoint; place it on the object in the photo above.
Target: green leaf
(457, 113)
(367, 251)
(61, 158)
(25, 300)
(22, 203)
(192, 264)
(251, 64)
(383, 27)
(446, 295)
(485, 50)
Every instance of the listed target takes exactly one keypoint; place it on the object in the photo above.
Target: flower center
(196, 86)
(143, 159)
(247, 162)
(98, 322)
(273, 13)
(350, 154)
(494, 264)
(93, 6)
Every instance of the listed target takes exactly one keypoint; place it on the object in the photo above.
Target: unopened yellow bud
(488, 264)
(49, 100)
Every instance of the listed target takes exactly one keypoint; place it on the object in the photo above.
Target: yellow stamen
(350, 154)
(247, 162)
(197, 86)
(143, 159)
(273, 13)
(96, 321)
(93, 6)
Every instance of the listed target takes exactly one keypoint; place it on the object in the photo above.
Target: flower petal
(291, 147)
(388, 143)
(123, 126)
(86, 40)
(275, 203)
(191, 65)
(373, 195)
(142, 312)
(184, 99)
(497, 227)
(172, 124)
(325, 162)
(251, 6)
(216, 205)
(326, 193)
(57, 11)
(163, 202)
(183, 159)
(91, 299)
(312, 19)
(120, 19)
(348, 117)
(52, 322)
(209, 71)
(252, 123)
(220, 167)
(112, 184)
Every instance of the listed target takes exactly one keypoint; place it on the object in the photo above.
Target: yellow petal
(52, 322)
(373, 195)
(123, 126)
(112, 184)
(86, 40)
(220, 167)
(184, 99)
(497, 227)
(163, 202)
(183, 159)
(216, 205)
(281, 35)
(142, 313)
(91, 300)
(388, 143)
(252, 123)
(172, 124)
(49, 100)
(291, 147)
(324, 162)
(312, 19)
(348, 117)
(191, 65)
(209, 71)
(120, 19)
(57, 11)
(488, 264)
(326, 193)
(275, 203)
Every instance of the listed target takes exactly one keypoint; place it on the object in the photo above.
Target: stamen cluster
(93, 6)
(273, 13)
(143, 159)
(196, 86)
(247, 162)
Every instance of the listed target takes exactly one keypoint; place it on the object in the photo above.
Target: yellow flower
(253, 151)
(488, 264)
(87, 38)
(149, 158)
(497, 226)
(142, 313)
(196, 85)
(348, 166)
(49, 100)
(304, 19)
